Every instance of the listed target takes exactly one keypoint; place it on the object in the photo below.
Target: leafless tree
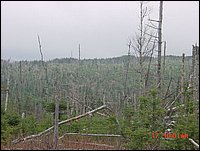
(144, 44)
(6, 103)
(127, 68)
(159, 45)
(7, 86)
(56, 136)
(182, 78)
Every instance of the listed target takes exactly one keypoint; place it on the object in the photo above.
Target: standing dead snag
(195, 73)
(148, 69)
(163, 65)
(40, 48)
(142, 45)
(122, 101)
(56, 136)
(44, 74)
(79, 53)
(6, 103)
(182, 78)
(159, 46)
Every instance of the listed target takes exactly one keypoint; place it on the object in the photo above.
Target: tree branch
(194, 143)
(60, 123)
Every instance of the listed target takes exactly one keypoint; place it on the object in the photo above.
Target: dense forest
(83, 85)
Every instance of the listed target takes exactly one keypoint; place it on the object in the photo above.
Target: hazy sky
(101, 27)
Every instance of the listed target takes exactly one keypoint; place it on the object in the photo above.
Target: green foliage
(139, 125)
(93, 124)
(138, 138)
(29, 125)
(13, 119)
(43, 124)
(10, 125)
(95, 80)
(50, 106)
(185, 125)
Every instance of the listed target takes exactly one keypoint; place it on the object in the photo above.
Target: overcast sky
(101, 27)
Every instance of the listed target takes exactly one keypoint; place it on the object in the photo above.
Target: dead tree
(142, 44)
(6, 102)
(56, 136)
(163, 65)
(159, 46)
(149, 66)
(43, 75)
(7, 78)
(79, 53)
(40, 48)
(196, 72)
(182, 78)
(122, 102)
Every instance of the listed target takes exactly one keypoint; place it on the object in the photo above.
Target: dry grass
(68, 143)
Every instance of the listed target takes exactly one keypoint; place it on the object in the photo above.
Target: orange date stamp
(169, 135)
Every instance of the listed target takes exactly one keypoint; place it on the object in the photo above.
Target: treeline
(89, 83)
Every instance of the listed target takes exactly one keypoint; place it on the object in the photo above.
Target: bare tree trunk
(127, 68)
(182, 78)
(19, 89)
(148, 70)
(6, 103)
(20, 71)
(79, 53)
(196, 73)
(163, 73)
(159, 47)
(56, 136)
(40, 47)
(143, 47)
(193, 70)
(140, 47)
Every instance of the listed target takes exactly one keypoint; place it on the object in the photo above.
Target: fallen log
(75, 99)
(84, 134)
(60, 123)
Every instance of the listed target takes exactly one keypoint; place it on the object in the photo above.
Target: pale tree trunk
(159, 47)
(79, 53)
(6, 103)
(196, 73)
(163, 68)
(143, 46)
(182, 78)
(123, 100)
(140, 47)
(56, 135)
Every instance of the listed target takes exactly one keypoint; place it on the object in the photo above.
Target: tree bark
(159, 46)
(6, 103)
(182, 78)
(56, 136)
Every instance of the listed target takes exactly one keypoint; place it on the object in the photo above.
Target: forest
(32, 88)
(143, 100)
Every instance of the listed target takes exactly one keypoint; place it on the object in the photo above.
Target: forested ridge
(135, 112)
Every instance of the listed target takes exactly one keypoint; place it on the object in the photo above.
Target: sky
(102, 28)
